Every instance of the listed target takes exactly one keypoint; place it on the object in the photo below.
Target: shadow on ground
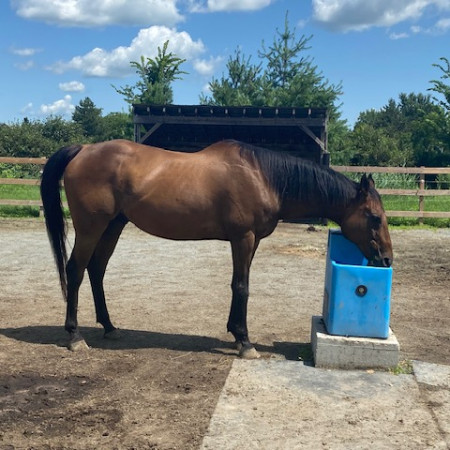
(139, 339)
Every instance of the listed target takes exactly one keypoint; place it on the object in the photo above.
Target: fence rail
(420, 192)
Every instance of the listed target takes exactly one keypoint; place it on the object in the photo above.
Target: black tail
(53, 210)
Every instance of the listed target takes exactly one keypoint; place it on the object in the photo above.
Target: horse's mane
(299, 179)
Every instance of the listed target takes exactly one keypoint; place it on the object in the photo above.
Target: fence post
(421, 197)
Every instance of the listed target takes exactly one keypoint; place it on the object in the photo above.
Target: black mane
(299, 179)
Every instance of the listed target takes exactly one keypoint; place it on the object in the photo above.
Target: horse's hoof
(79, 345)
(248, 353)
(113, 335)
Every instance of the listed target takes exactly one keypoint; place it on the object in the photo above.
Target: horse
(229, 191)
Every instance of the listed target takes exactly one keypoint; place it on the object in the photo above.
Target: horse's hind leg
(83, 249)
(243, 251)
(96, 270)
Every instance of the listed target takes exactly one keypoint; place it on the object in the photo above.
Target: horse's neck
(293, 209)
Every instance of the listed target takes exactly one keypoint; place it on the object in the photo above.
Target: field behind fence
(408, 192)
(413, 184)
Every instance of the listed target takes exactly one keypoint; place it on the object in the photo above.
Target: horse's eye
(376, 220)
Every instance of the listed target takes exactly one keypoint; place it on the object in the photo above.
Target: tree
(36, 138)
(440, 86)
(242, 86)
(62, 132)
(88, 117)
(282, 77)
(155, 78)
(116, 126)
(410, 131)
(282, 57)
(373, 146)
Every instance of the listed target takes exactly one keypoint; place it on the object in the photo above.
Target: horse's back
(170, 194)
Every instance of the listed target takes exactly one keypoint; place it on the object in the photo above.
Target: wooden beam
(372, 169)
(419, 214)
(308, 131)
(26, 181)
(417, 192)
(150, 132)
(230, 121)
(8, 160)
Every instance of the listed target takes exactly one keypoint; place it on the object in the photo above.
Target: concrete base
(342, 352)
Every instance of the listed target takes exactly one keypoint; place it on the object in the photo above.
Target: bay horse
(229, 191)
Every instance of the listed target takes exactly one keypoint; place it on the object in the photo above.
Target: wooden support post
(421, 197)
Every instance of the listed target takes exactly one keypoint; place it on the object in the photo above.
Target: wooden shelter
(299, 131)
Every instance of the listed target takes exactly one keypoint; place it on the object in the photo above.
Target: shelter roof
(301, 131)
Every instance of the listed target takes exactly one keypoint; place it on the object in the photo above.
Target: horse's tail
(53, 210)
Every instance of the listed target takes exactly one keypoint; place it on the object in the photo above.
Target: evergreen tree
(282, 77)
(88, 116)
(155, 78)
(441, 86)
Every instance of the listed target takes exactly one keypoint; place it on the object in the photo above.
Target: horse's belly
(182, 223)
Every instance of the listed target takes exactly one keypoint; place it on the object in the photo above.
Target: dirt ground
(157, 387)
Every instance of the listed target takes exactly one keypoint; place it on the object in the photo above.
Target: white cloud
(356, 15)
(25, 65)
(206, 67)
(25, 51)
(228, 5)
(72, 86)
(440, 27)
(302, 23)
(116, 63)
(396, 36)
(27, 109)
(61, 107)
(88, 13)
(443, 24)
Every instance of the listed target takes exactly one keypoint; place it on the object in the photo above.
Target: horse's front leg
(242, 251)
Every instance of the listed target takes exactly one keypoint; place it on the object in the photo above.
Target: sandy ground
(157, 387)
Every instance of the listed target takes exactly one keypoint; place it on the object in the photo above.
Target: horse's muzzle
(378, 261)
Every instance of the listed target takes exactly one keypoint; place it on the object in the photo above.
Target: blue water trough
(357, 297)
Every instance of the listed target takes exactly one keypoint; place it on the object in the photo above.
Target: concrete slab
(434, 383)
(341, 352)
(270, 405)
(432, 374)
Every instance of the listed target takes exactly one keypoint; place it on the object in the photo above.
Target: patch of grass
(19, 212)
(404, 367)
(19, 192)
(410, 203)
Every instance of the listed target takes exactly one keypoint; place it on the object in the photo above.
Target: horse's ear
(366, 183)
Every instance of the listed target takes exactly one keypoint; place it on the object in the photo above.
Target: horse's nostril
(387, 262)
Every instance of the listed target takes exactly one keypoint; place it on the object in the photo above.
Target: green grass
(411, 203)
(19, 212)
(404, 367)
(20, 192)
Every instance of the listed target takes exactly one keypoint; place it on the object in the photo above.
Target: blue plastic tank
(357, 297)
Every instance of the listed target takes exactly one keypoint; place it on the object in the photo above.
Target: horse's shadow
(139, 339)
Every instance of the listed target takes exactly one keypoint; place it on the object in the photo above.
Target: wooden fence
(420, 192)
(21, 181)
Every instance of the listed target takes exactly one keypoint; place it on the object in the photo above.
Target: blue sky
(55, 53)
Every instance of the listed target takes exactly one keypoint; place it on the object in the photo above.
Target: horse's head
(366, 225)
